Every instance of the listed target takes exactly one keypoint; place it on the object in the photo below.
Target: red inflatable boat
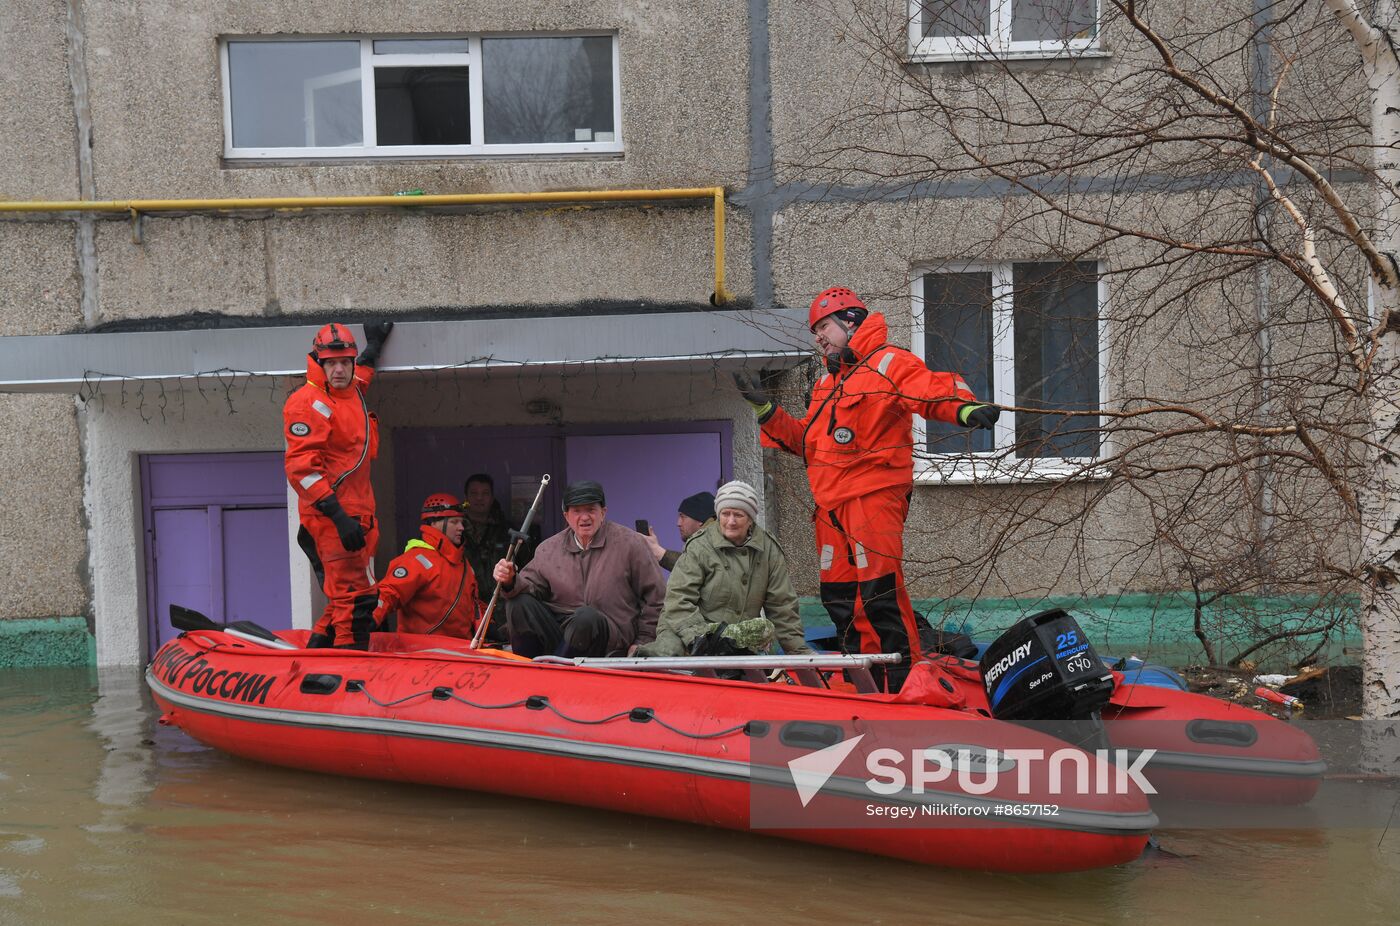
(787, 759)
(803, 747)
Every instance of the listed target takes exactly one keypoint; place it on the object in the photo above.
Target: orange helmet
(836, 300)
(440, 505)
(332, 341)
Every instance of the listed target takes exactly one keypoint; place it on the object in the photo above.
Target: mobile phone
(642, 526)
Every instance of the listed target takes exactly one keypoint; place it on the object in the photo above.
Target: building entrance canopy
(89, 363)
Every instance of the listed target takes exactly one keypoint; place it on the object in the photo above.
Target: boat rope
(541, 702)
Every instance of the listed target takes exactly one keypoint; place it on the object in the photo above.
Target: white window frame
(1000, 465)
(998, 46)
(369, 60)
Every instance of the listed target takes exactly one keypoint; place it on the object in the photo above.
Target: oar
(182, 618)
(517, 537)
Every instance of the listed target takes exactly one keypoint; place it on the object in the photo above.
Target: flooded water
(106, 817)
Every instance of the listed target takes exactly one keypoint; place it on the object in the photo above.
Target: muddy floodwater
(107, 817)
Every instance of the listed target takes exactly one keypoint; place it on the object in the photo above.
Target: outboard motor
(1045, 673)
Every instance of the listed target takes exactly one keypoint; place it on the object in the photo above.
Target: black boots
(318, 641)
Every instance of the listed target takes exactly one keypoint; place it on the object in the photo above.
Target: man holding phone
(694, 513)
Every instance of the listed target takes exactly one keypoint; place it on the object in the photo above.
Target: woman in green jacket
(730, 590)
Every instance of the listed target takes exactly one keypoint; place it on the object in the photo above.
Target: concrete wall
(327, 263)
(159, 128)
(43, 538)
(860, 116)
(154, 111)
(683, 81)
(38, 146)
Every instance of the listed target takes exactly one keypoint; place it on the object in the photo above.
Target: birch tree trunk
(1379, 494)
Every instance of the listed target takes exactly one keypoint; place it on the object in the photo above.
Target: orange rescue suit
(332, 437)
(857, 440)
(432, 587)
(858, 435)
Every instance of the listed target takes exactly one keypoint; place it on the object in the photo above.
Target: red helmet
(332, 341)
(834, 300)
(440, 505)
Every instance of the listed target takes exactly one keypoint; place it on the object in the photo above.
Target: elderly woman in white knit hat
(730, 592)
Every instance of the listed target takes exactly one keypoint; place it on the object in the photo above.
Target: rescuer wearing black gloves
(331, 439)
(857, 443)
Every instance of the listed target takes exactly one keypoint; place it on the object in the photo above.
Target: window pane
(1055, 317)
(422, 106)
(421, 47)
(295, 94)
(1052, 20)
(958, 339)
(547, 90)
(951, 18)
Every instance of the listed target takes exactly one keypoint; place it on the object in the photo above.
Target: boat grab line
(545, 704)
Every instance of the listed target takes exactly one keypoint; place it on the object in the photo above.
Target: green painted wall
(1155, 627)
(50, 641)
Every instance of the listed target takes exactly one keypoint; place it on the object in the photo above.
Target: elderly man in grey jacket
(593, 589)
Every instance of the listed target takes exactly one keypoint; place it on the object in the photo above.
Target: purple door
(646, 469)
(428, 460)
(180, 541)
(645, 476)
(216, 538)
(257, 583)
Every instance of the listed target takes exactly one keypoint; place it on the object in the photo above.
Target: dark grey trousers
(535, 630)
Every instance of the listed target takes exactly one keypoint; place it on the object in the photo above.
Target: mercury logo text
(1006, 662)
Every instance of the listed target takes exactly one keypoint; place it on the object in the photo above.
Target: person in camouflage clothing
(487, 536)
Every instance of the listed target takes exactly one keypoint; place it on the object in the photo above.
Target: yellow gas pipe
(137, 207)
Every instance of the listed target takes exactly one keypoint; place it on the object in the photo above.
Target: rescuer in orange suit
(857, 441)
(430, 584)
(331, 438)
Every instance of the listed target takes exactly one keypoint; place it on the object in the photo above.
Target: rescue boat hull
(670, 746)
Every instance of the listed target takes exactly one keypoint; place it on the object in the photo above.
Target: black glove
(975, 415)
(715, 643)
(352, 535)
(752, 390)
(376, 333)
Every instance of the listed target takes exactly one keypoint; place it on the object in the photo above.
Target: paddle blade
(256, 630)
(183, 618)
